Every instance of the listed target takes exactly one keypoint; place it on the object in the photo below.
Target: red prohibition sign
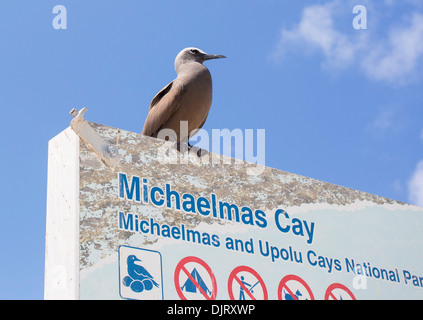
(291, 294)
(330, 294)
(181, 267)
(234, 277)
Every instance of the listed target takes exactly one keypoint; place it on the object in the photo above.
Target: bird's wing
(162, 107)
(201, 125)
(140, 270)
(194, 132)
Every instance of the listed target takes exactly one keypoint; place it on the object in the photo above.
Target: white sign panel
(205, 231)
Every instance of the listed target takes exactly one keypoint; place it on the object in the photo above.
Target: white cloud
(393, 57)
(415, 185)
(384, 120)
(416, 3)
(388, 121)
(316, 31)
(396, 58)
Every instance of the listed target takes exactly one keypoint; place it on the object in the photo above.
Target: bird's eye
(194, 51)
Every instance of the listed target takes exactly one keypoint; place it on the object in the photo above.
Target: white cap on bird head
(192, 54)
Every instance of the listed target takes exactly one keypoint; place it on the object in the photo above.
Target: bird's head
(132, 259)
(192, 54)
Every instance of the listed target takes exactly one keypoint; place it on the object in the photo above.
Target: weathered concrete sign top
(124, 224)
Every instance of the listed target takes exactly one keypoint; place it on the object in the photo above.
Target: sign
(140, 274)
(245, 283)
(123, 225)
(293, 287)
(197, 278)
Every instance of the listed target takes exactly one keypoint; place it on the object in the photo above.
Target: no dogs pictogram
(293, 287)
(244, 283)
(338, 291)
(194, 279)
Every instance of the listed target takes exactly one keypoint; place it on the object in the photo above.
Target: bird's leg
(199, 151)
(189, 147)
(178, 146)
(182, 147)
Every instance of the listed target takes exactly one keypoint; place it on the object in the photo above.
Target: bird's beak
(213, 56)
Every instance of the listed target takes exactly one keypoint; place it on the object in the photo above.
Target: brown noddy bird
(187, 98)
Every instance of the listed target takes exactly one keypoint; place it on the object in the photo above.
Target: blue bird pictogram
(138, 279)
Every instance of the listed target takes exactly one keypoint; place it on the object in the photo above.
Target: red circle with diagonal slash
(234, 276)
(181, 267)
(329, 291)
(291, 277)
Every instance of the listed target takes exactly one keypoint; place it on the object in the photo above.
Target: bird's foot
(199, 152)
(191, 148)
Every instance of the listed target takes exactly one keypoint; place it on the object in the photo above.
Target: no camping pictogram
(194, 279)
(337, 291)
(293, 287)
(244, 283)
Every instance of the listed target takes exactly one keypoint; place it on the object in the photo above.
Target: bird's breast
(199, 90)
(195, 102)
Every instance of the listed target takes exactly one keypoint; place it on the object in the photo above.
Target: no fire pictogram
(194, 280)
(244, 283)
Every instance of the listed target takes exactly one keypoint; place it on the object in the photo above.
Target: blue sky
(338, 104)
